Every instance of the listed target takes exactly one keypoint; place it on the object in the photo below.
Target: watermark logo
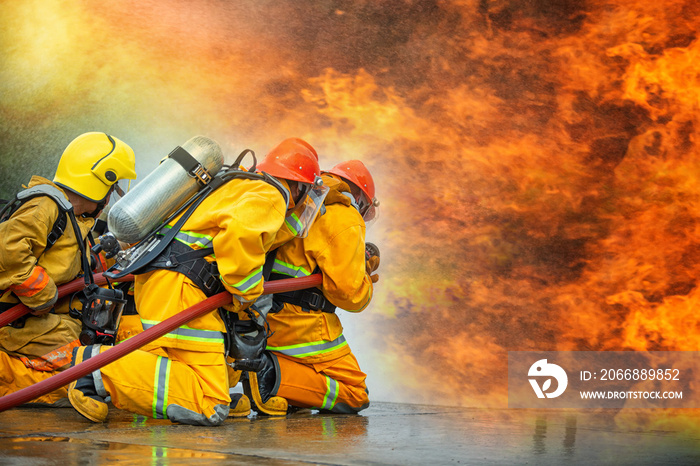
(603, 379)
(544, 369)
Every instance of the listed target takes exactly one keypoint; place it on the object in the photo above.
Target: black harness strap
(57, 230)
(181, 258)
(309, 299)
(184, 158)
(269, 263)
(191, 165)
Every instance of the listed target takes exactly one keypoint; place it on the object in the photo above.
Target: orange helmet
(295, 160)
(356, 172)
(292, 159)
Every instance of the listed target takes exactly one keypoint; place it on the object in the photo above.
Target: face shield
(368, 209)
(311, 199)
(119, 190)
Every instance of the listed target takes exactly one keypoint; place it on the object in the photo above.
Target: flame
(536, 162)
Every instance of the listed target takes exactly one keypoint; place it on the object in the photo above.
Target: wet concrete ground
(386, 433)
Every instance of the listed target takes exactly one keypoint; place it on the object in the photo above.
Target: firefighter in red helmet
(183, 376)
(361, 184)
(308, 361)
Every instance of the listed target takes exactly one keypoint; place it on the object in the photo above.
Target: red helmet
(356, 172)
(293, 159)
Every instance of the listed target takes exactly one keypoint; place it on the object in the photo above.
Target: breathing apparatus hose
(78, 284)
(74, 373)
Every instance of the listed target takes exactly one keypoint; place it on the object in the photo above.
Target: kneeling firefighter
(308, 361)
(44, 231)
(215, 241)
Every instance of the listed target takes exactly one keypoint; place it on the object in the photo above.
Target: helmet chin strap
(100, 207)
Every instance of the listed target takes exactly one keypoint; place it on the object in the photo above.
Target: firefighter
(40, 251)
(308, 361)
(183, 376)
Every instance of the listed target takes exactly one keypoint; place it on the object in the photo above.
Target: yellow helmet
(92, 163)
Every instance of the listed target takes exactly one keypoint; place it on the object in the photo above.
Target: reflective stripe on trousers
(161, 384)
(313, 348)
(331, 395)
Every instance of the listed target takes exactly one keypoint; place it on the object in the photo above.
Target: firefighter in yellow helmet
(40, 252)
(308, 361)
(183, 376)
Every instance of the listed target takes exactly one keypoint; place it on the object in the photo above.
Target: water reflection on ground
(386, 433)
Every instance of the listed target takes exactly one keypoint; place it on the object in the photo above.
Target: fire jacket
(240, 221)
(27, 271)
(335, 245)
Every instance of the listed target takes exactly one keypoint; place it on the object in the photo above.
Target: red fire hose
(78, 284)
(63, 378)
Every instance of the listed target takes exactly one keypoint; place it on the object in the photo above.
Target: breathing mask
(101, 311)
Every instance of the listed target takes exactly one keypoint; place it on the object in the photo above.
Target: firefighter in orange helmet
(182, 376)
(40, 251)
(308, 361)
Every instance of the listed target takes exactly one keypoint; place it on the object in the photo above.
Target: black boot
(261, 387)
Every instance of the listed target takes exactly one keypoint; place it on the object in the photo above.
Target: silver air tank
(165, 189)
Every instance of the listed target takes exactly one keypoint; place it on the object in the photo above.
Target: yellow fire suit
(30, 274)
(182, 376)
(316, 366)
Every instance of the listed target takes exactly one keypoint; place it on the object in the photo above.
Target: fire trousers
(166, 383)
(42, 349)
(14, 376)
(337, 385)
(39, 350)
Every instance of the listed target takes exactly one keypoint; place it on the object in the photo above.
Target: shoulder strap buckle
(314, 300)
(201, 174)
(191, 165)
